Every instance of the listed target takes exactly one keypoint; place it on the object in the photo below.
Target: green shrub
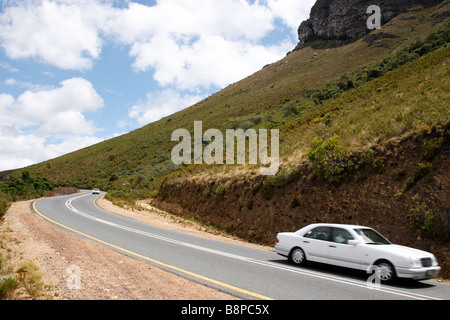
(423, 169)
(375, 73)
(290, 109)
(335, 88)
(256, 120)
(23, 188)
(422, 216)
(31, 278)
(140, 179)
(8, 282)
(7, 285)
(247, 123)
(219, 188)
(207, 192)
(282, 178)
(5, 202)
(431, 147)
(330, 160)
(113, 177)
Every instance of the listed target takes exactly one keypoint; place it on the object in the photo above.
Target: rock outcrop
(347, 19)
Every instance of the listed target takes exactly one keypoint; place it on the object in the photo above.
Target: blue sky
(76, 72)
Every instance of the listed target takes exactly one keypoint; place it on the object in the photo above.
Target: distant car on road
(356, 247)
(96, 191)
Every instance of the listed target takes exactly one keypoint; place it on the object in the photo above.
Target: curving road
(245, 272)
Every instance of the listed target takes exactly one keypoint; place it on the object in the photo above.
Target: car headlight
(434, 261)
(414, 262)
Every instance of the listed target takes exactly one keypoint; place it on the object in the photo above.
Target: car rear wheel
(386, 271)
(297, 256)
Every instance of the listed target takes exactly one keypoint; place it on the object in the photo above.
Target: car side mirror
(353, 242)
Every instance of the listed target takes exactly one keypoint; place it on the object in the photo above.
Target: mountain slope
(140, 159)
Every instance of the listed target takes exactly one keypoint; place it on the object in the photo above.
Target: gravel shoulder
(104, 273)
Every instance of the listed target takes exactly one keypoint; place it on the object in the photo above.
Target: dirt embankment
(257, 208)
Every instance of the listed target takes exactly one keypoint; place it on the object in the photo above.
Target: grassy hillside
(365, 92)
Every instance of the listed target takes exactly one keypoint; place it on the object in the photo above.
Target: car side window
(319, 233)
(341, 236)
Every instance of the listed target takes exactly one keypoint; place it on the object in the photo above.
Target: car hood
(402, 251)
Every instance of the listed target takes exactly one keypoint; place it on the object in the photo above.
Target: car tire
(386, 271)
(297, 256)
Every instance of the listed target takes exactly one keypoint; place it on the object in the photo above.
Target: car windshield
(370, 236)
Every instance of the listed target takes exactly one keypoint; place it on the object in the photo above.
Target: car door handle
(305, 241)
(331, 246)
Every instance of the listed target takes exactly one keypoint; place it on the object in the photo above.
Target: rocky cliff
(347, 19)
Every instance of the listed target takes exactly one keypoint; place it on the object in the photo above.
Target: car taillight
(278, 240)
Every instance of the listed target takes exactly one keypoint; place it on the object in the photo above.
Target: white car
(356, 247)
(96, 191)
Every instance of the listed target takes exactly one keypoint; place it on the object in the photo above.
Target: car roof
(337, 225)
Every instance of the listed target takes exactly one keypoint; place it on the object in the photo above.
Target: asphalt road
(245, 272)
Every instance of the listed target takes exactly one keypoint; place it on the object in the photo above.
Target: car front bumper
(418, 273)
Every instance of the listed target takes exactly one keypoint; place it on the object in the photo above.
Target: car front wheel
(386, 271)
(297, 256)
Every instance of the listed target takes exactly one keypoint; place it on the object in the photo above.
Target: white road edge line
(250, 260)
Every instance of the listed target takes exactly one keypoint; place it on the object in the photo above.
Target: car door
(340, 252)
(315, 244)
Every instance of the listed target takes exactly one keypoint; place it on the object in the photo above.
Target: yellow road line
(252, 294)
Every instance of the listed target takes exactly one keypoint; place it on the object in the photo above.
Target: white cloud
(61, 33)
(19, 149)
(24, 84)
(231, 19)
(161, 105)
(58, 109)
(166, 38)
(6, 100)
(210, 61)
(28, 123)
(293, 13)
(8, 67)
(68, 121)
(191, 44)
(68, 143)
